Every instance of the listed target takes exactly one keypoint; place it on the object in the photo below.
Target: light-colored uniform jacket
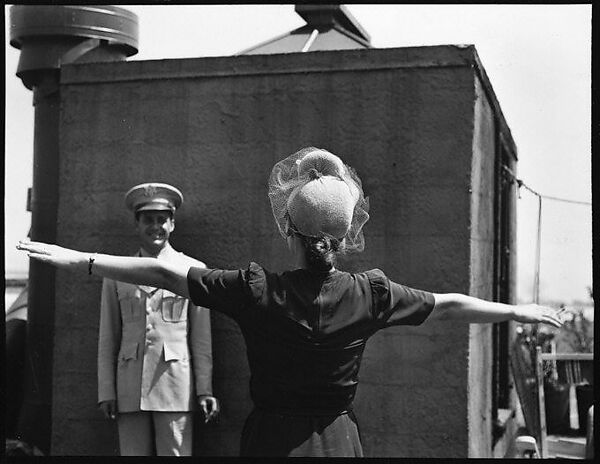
(154, 347)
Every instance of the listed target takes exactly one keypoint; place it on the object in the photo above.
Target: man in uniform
(154, 348)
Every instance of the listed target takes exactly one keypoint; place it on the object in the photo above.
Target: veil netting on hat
(292, 173)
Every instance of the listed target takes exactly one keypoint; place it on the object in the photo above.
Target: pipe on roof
(50, 36)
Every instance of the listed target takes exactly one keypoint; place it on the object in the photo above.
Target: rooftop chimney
(50, 36)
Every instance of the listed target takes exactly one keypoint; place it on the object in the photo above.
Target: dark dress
(305, 334)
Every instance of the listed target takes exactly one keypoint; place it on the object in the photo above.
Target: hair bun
(323, 162)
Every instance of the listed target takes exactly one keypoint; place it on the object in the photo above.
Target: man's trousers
(155, 433)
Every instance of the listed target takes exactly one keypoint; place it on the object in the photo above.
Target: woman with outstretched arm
(306, 328)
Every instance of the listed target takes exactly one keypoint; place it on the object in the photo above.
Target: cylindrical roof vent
(51, 35)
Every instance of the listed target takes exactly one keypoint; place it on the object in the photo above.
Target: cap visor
(155, 207)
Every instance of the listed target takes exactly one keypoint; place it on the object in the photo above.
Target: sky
(538, 60)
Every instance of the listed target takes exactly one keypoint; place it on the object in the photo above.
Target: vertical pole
(35, 422)
(539, 363)
(536, 284)
(554, 364)
(539, 370)
(538, 248)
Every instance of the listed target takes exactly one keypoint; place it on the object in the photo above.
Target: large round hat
(314, 193)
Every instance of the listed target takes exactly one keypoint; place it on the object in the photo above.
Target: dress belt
(302, 412)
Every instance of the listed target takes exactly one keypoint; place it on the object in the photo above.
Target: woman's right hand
(533, 313)
(109, 409)
(53, 254)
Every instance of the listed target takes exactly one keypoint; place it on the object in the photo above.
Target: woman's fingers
(553, 321)
(39, 251)
(34, 247)
(29, 246)
(534, 313)
(553, 316)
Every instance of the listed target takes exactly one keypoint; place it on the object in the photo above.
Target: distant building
(328, 27)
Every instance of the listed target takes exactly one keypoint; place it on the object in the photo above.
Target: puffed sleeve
(396, 304)
(227, 291)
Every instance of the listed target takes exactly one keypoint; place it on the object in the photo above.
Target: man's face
(154, 229)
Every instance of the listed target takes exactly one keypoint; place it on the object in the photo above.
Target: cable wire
(538, 246)
(520, 184)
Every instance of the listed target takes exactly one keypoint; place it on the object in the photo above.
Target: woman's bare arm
(459, 307)
(139, 271)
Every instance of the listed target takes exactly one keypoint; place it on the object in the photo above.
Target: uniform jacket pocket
(131, 302)
(174, 307)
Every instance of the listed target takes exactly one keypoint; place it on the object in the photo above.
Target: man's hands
(109, 409)
(533, 313)
(209, 407)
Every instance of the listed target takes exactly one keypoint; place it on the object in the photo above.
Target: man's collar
(164, 253)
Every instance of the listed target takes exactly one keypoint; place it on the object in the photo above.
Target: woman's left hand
(534, 313)
(53, 254)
